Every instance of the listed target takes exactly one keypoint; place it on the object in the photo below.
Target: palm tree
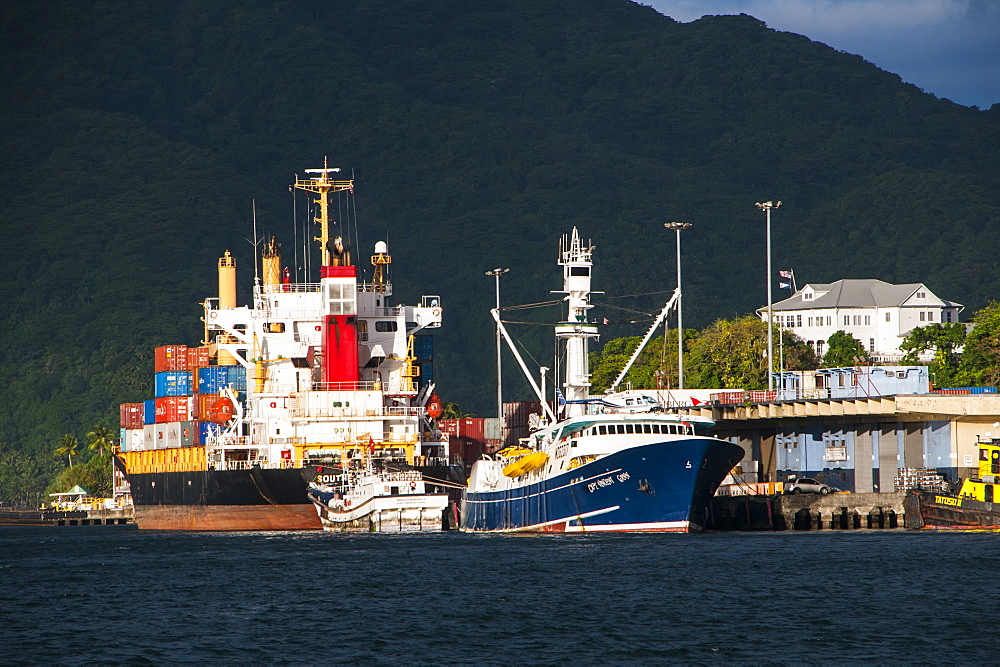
(69, 446)
(100, 438)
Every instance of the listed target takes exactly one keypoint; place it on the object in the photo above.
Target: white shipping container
(135, 440)
(159, 436)
(173, 435)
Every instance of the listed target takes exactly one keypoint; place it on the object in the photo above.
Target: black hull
(926, 509)
(251, 499)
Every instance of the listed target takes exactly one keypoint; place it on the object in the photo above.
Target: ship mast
(576, 260)
(322, 185)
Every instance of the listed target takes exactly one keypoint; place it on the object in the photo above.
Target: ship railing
(289, 287)
(304, 411)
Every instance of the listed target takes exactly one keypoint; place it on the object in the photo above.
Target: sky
(949, 48)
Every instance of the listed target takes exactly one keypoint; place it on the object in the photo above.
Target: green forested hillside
(136, 135)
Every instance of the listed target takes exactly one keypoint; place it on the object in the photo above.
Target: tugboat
(976, 506)
(312, 375)
(603, 465)
(375, 501)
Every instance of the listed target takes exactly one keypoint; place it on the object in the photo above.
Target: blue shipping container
(173, 383)
(206, 429)
(212, 379)
(149, 411)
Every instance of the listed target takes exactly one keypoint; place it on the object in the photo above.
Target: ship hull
(939, 511)
(223, 500)
(387, 514)
(662, 487)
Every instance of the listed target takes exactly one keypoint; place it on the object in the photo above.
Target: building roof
(859, 293)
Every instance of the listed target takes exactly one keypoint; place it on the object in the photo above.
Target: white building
(878, 314)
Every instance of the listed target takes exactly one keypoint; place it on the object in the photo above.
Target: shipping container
(173, 430)
(197, 357)
(491, 429)
(203, 405)
(172, 409)
(213, 379)
(159, 436)
(170, 358)
(207, 429)
(423, 347)
(135, 439)
(149, 412)
(189, 433)
(132, 415)
(172, 383)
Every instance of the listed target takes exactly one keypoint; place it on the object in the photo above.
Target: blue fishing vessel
(602, 465)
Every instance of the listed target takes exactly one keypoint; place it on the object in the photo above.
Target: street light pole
(496, 273)
(767, 207)
(679, 227)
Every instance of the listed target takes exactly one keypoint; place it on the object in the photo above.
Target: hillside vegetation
(137, 138)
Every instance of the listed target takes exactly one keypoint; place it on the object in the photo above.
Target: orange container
(170, 358)
(202, 404)
(197, 357)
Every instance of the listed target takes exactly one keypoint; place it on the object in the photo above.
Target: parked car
(807, 485)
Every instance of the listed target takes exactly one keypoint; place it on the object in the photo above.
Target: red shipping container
(473, 427)
(172, 409)
(131, 415)
(202, 404)
(170, 358)
(197, 357)
(449, 426)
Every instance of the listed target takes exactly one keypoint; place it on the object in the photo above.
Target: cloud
(950, 48)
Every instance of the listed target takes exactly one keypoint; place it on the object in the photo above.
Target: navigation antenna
(323, 186)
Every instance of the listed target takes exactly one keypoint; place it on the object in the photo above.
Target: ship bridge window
(385, 325)
(339, 299)
(583, 271)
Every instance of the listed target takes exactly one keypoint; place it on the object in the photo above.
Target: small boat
(619, 463)
(976, 506)
(375, 501)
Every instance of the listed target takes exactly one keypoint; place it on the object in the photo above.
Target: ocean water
(104, 594)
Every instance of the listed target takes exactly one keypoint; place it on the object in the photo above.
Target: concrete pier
(839, 511)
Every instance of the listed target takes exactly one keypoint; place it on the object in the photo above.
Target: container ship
(325, 374)
(600, 465)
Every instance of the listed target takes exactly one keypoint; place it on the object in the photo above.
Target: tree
(980, 362)
(730, 353)
(944, 339)
(101, 439)
(68, 446)
(844, 350)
